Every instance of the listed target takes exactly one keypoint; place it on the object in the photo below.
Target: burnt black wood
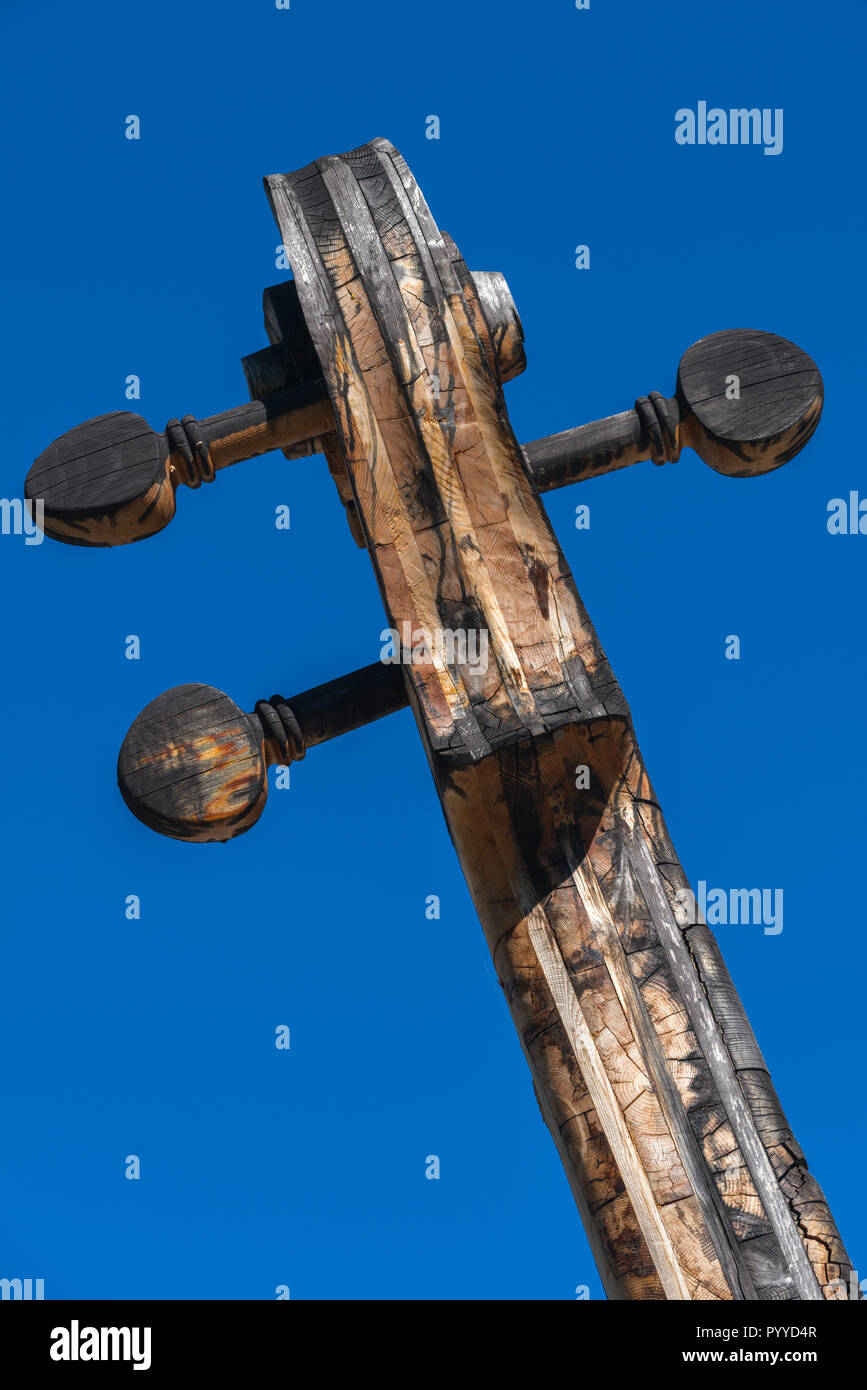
(587, 451)
(776, 411)
(339, 706)
(108, 464)
(193, 764)
(103, 463)
(291, 359)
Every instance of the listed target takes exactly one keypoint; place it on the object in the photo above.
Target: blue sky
(156, 1037)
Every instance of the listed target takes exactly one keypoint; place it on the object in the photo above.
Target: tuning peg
(746, 402)
(113, 479)
(193, 765)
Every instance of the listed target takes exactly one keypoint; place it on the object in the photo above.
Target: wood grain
(675, 1166)
(746, 402)
(112, 480)
(193, 765)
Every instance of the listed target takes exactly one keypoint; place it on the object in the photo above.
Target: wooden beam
(575, 886)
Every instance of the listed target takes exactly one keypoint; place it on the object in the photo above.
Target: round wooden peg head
(193, 766)
(104, 483)
(749, 401)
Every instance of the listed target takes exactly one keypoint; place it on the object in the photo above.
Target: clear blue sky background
(156, 1037)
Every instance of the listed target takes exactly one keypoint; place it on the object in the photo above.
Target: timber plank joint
(389, 356)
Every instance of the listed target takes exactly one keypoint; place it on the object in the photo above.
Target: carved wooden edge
(620, 1009)
(291, 361)
(671, 1155)
(417, 404)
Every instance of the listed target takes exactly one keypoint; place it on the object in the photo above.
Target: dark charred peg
(113, 479)
(746, 402)
(193, 764)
